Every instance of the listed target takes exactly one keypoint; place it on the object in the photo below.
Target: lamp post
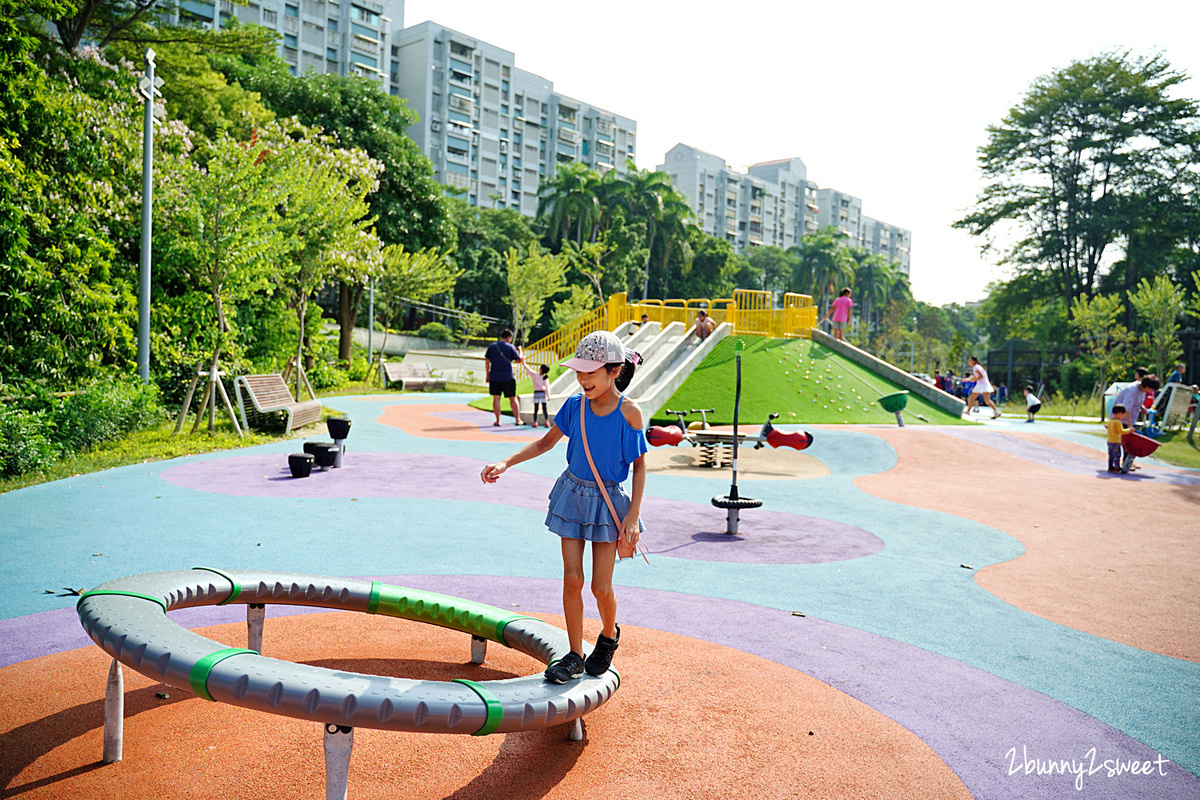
(148, 87)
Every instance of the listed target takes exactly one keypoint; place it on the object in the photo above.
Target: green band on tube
(495, 712)
(455, 613)
(237, 587)
(94, 592)
(200, 671)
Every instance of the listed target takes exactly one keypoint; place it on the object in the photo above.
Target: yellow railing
(799, 315)
(750, 312)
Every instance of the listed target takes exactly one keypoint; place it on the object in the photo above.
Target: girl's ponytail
(627, 367)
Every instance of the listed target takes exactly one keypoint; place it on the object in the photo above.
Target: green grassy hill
(801, 381)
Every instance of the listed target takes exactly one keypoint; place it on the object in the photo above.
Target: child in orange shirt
(1116, 427)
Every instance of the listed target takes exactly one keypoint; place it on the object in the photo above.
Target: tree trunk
(302, 311)
(349, 299)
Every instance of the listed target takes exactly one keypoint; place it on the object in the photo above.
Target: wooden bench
(411, 376)
(269, 396)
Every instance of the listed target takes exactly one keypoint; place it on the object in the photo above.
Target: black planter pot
(325, 453)
(300, 464)
(339, 427)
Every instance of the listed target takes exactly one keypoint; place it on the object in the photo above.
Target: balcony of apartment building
(366, 46)
(456, 155)
(457, 180)
(605, 127)
(460, 78)
(569, 136)
(461, 50)
(463, 105)
(567, 114)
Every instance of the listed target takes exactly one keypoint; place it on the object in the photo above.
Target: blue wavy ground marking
(901, 624)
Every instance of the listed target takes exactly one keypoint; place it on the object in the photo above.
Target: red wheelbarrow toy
(1135, 445)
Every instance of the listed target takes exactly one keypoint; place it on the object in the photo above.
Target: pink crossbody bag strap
(587, 451)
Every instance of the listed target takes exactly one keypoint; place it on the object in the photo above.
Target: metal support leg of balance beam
(478, 649)
(339, 741)
(255, 614)
(114, 713)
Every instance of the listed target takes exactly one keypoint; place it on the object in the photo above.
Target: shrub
(104, 412)
(358, 369)
(436, 330)
(325, 375)
(24, 445)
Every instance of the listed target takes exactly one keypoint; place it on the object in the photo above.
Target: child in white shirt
(1032, 403)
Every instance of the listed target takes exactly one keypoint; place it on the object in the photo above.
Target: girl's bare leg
(987, 398)
(572, 554)
(604, 555)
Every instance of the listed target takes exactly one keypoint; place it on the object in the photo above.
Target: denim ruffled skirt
(578, 511)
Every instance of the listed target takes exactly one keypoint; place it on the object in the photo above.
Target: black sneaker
(565, 669)
(600, 658)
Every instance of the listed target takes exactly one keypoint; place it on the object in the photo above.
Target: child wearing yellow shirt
(1116, 427)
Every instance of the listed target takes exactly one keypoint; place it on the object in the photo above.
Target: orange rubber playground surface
(926, 612)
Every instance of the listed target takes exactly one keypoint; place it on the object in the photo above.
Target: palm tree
(569, 200)
(873, 276)
(612, 194)
(645, 196)
(673, 234)
(653, 198)
(822, 264)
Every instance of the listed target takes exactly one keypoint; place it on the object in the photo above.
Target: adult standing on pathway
(982, 387)
(498, 372)
(841, 314)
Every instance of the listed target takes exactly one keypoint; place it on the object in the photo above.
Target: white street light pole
(148, 86)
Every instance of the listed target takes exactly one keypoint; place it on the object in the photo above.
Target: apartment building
(492, 130)
(322, 36)
(774, 204)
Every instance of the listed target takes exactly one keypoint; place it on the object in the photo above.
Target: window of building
(270, 17)
(331, 54)
(364, 15)
(291, 11)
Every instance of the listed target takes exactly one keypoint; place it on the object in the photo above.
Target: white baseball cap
(596, 350)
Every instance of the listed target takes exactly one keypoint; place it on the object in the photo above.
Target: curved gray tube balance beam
(127, 618)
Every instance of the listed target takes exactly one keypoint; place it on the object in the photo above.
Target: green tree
(484, 237)
(219, 226)
(1086, 160)
(146, 22)
(324, 218)
(198, 95)
(822, 265)
(69, 184)
(578, 302)
(409, 204)
(569, 202)
(653, 198)
(1159, 304)
(873, 277)
(533, 277)
(406, 275)
(775, 267)
(1103, 340)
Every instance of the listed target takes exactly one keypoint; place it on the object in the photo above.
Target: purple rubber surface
(1067, 462)
(971, 719)
(675, 528)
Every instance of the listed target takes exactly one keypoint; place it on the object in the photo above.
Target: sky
(888, 102)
